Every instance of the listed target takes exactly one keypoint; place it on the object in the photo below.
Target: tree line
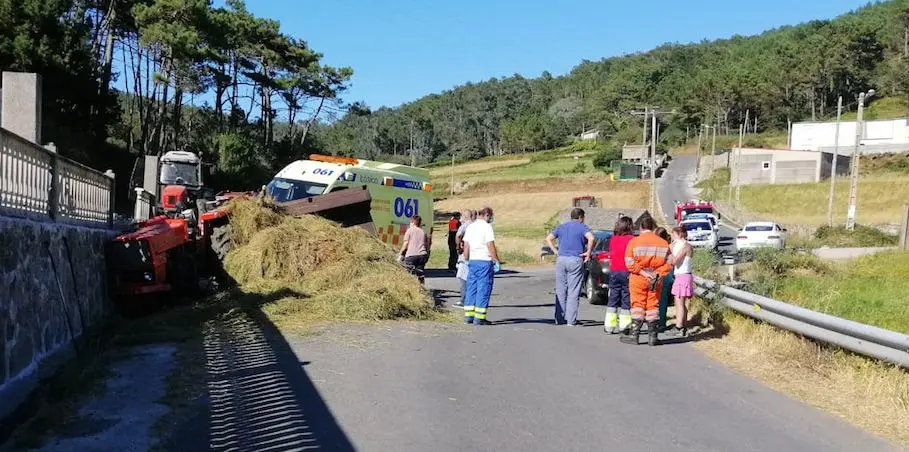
(787, 74)
(126, 78)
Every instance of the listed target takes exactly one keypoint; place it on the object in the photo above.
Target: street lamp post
(859, 133)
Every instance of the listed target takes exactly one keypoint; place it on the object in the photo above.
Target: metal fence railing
(857, 337)
(39, 184)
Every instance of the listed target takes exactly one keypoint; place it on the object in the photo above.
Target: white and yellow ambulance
(398, 191)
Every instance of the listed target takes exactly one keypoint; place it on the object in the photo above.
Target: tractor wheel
(222, 240)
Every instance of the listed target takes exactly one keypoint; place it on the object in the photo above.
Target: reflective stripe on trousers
(479, 288)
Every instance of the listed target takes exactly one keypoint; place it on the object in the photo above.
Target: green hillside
(790, 73)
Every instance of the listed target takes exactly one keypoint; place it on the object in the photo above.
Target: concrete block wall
(35, 318)
(712, 162)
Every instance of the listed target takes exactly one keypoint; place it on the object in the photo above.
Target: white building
(592, 134)
(879, 136)
(781, 166)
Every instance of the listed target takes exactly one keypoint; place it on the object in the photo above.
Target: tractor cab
(182, 192)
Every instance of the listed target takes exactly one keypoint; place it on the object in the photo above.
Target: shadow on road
(258, 395)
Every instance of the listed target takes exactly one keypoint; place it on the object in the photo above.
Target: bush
(604, 158)
(862, 236)
(769, 267)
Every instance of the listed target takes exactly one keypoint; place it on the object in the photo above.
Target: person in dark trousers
(575, 245)
(453, 224)
(666, 292)
(618, 307)
(415, 246)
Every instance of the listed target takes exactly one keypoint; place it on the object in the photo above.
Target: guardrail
(857, 337)
(39, 184)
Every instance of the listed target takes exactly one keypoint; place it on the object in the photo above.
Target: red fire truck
(686, 208)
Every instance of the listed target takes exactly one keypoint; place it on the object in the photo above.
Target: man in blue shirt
(575, 246)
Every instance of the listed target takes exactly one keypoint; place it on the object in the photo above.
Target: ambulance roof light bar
(334, 159)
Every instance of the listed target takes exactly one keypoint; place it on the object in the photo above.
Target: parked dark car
(595, 285)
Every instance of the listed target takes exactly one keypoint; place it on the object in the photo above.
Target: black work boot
(653, 331)
(635, 334)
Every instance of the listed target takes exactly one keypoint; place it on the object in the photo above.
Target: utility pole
(644, 139)
(734, 179)
(747, 115)
(738, 167)
(836, 151)
(697, 161)
(653, 143)
(413, 155)
(652, 112)
(452, 173)
(713, 150)
(853, 186)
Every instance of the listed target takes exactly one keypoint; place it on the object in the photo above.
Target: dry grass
(476, 166)
(867, 394)
(310, 270)
(880, 200)
(529, 208)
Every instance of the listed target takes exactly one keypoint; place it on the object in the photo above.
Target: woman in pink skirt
(683, 286)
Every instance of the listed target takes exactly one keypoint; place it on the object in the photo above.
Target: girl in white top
(683, 286)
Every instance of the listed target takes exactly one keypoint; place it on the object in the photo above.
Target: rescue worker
(618, 307)
(482, 263)
(647, 258)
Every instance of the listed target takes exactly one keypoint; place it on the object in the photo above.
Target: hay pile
(331, 272)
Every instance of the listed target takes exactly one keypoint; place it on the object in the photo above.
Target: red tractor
(188, 233)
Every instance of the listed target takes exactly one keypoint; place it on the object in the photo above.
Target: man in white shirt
(482, 259)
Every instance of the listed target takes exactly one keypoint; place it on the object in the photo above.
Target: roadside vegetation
(882, 192)
(869, 290)
(771, 139)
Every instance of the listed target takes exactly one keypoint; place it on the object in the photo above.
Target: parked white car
(761, 234)
(701, 233)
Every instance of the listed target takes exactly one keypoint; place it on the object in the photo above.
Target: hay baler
(187, 232)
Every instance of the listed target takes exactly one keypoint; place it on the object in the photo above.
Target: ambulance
(398, 191)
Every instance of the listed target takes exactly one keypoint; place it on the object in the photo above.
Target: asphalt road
(676, 184)
(523, 384)
(520, 384)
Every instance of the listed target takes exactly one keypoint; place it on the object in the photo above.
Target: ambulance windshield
(283, 190)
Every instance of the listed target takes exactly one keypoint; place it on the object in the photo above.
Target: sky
(405, 49)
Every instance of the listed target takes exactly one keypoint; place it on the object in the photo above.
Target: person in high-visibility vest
(618, 307)
(482, 263)
(647, 258)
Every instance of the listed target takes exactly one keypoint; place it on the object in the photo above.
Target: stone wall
(49, 292)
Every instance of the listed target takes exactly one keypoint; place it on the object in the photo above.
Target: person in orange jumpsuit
(647, 258)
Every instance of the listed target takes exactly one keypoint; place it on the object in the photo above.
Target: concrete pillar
(21, 109)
